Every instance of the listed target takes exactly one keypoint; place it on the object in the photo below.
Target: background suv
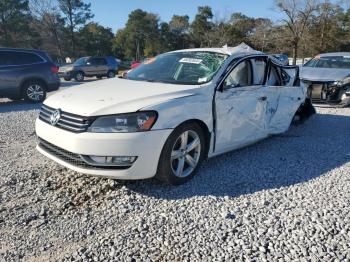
(27, 73)
(90, 66)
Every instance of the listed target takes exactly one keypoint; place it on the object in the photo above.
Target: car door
(102, 67)
(91, 67)
(240, 105)
(285, 96)
(9, 70)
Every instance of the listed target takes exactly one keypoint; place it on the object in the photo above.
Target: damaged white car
(171, 113)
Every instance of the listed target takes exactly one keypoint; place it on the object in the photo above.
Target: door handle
(262, 99)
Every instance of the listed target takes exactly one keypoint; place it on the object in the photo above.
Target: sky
(114, 13)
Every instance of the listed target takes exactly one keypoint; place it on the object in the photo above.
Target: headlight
(346, 81)
(124, 123)
(343, 82)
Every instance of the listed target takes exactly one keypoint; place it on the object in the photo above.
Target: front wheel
(345, 101)
(34, 91)
(79, 77)
(182, 154)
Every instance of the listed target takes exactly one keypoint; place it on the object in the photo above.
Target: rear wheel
(110, 74)
(66, 78)
(79, 77)
(182, 154)
(34, 91)
(99, 77)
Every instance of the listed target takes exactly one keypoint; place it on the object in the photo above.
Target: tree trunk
(295, 51)
(73, 41)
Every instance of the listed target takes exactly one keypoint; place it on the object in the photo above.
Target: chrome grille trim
(68, 121)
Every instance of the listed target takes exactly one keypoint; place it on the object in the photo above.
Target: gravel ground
(286, 198)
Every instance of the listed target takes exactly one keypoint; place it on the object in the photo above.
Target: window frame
(280, 69)
(250, 67)
(43, 60)
(235, 62)
(92, 59)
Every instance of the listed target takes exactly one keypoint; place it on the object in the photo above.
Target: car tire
(67, 78)
(99, 77)
(181, 155)
(110, 74)
(79, 76)
(34, 91)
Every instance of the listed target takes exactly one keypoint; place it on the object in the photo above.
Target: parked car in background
(27, 74)
(135, 64)
(328, 78)
(171, 114)
(282, 58)
(99, 67)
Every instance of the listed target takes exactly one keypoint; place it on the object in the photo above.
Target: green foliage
(15, 24)
(95, 40)
(202, 27)
(140, 37)
(63, 28)
(75, 13)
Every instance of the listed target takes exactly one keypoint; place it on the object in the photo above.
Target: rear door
(102, 67)
(285, 96)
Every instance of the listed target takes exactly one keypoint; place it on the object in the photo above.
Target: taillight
(55, 69)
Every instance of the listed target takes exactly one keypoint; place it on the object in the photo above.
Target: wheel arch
(30, 79)
(204, 127)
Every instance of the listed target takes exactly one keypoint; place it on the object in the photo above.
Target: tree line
(65, 28)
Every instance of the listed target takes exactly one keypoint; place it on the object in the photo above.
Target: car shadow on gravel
(303, 153)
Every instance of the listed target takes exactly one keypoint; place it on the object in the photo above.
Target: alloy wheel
(111, 74)
(79, 77)
(185, 154)
(35, 92)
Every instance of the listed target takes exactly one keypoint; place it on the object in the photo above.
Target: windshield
(338, 62)
(80, 61)
(190, 68)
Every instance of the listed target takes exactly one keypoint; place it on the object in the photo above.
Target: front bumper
(147, 146)
(327, 92)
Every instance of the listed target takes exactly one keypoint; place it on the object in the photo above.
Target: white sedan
(171, 113)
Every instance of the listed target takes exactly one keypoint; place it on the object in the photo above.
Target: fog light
(113, 160)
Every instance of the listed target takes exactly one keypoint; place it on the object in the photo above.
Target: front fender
(175, 111)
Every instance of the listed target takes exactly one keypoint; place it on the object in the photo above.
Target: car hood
(114, 96)
(323, 74)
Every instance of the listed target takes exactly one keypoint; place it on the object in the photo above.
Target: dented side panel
(241, 117)
(282, 105)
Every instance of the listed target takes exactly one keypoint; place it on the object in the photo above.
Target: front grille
(67, 121)
(71, 158)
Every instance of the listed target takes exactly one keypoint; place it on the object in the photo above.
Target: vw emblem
(55, 117)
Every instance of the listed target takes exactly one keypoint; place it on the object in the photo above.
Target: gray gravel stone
(283, 199)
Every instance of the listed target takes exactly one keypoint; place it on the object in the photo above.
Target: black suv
(90, 66)
(27, 73)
